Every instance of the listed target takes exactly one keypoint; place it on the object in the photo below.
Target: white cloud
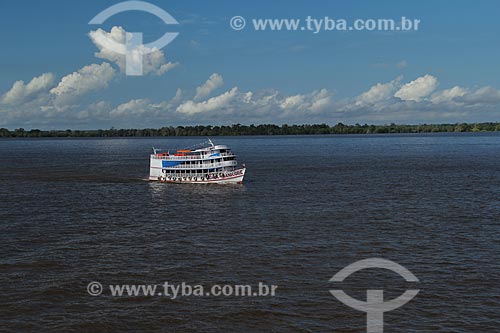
(97, 110)
(153, 59)
(37, 105)
(170, 104)
(378, 92)
(294, 102)
(86, 79)
(214, 81)
(482, 96)
(417, 89)
(320, 101)
(166, 67)
(313, 102)
(214, 103)
(100, 38)
(132, 107)
(247, 97)
(448, 95)
(20, 91)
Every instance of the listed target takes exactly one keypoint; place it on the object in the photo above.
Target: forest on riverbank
(266, 129)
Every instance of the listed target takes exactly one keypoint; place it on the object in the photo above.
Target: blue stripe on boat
(168, 164)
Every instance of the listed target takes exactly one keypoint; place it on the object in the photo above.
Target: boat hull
(236, 177)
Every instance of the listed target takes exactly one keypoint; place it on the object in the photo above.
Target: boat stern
(155, 168)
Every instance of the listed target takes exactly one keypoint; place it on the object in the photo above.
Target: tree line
(267, 129)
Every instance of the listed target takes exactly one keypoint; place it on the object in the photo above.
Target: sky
(56, 74)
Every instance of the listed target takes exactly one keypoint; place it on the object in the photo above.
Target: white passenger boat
(209, 163)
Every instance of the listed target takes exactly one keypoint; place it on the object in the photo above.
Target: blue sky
(447, 71)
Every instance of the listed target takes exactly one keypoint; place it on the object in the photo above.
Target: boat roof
(210, 146)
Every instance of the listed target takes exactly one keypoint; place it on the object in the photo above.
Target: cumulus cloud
(320, 100)
(86, 79)
(153, 59)
(316, 101)
(166, 67)
(21, 91)
(170, 104)
(94, 111)
(448, 95)
(214, 103)
(294, 102)
(482, 96)
(40, 104)
(214, 81)
(378, 92)
(270, 104)
(101, 40)
(132, 107)
(417, 89)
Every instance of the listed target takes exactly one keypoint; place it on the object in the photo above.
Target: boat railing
(205, 165)
(191, 157)
(234, 172)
